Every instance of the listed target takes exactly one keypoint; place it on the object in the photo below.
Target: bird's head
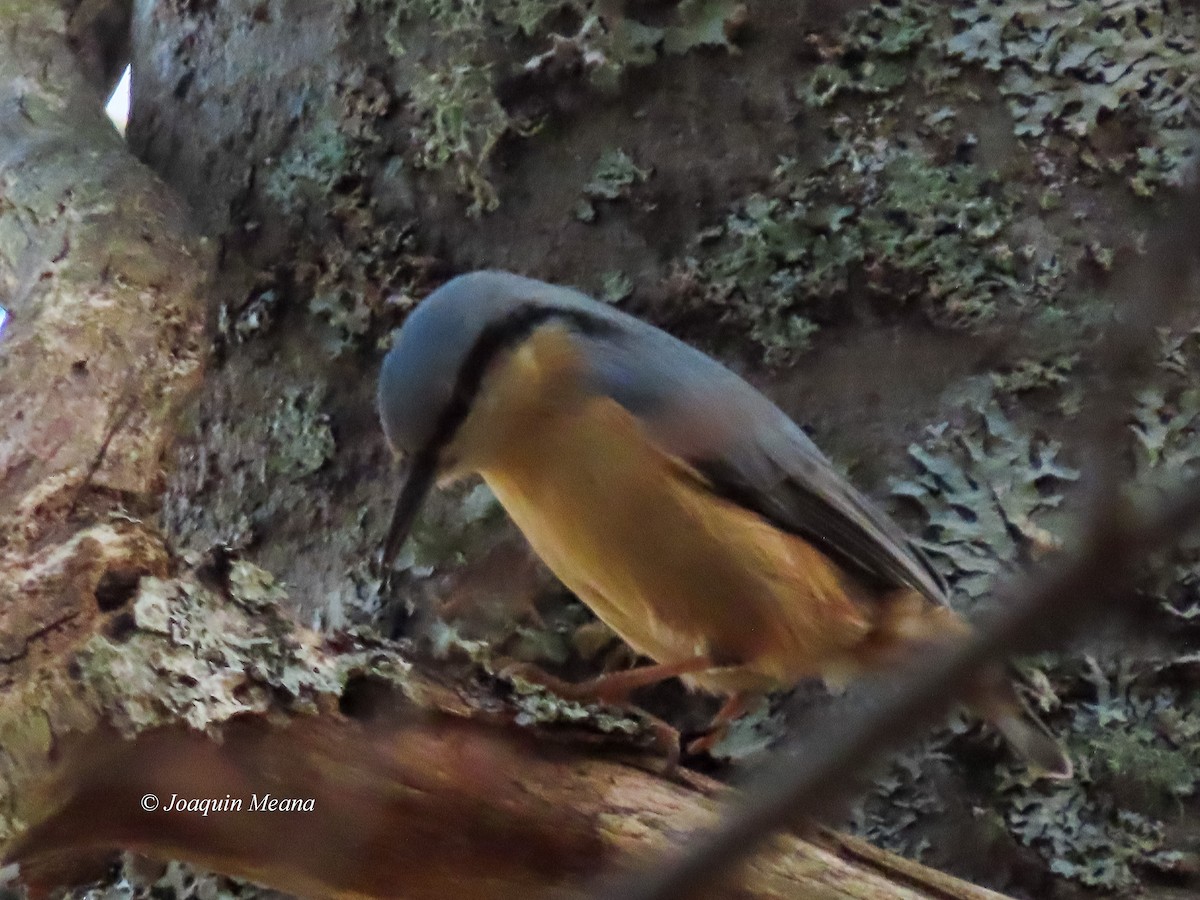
(432, 376)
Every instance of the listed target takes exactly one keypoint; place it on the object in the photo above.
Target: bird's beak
(412, 495)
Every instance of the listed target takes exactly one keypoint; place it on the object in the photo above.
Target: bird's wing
(813, 501)
(752, 454)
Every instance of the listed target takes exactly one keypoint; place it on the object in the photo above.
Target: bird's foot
(534, 674)
(611, 688)
(735, 706)
(608, 690)
(666, 740)
(705, 742)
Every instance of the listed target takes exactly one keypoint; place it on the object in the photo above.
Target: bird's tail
(908, 621)
(998, 703)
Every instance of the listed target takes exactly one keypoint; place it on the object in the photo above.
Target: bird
(679, 503)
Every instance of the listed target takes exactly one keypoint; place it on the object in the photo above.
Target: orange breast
(639, 537)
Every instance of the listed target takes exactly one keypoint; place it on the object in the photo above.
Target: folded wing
(754, 455)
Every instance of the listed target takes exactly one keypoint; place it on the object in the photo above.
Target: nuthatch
(680, 504)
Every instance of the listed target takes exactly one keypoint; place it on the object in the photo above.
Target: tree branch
(1042, 613)
(420, 787)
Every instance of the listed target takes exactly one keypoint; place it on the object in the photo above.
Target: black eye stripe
(492, 341)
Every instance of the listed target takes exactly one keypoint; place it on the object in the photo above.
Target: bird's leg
(616, 687)
(613, 688)
(737, 704)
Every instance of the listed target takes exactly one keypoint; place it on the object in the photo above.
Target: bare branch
(1048, 613)
(1045, 613)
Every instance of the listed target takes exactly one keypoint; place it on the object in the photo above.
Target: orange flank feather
(592, 493)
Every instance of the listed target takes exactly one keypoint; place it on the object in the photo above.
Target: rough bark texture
(103, 277)
(418, 788)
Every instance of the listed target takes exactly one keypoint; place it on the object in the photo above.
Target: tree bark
(103, 278)
(408, 785)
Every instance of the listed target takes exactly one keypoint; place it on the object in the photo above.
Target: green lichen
(525, 16)
(990, 493)
(876, 55)
(253, 318)
(1112, 79)
(701, 23)
(300, 438)
(1136, 734)
(1139, 727)
(1084, 840)
(356, 271)
(135, 880)
(610, 50)
(1165, 426)
(536, 705)
(1166, 770)
(540, 707)
(897, 211)
(460, 120)
(346, 310)
(1072, 68)
(614, 177)
(986, 492)
(307, 171)
(1027, 375)
(886, 217)
(900, 800)
(615, 287)
(318, 183)
(456, 523)
(460, 123)
(752, 735)
(197, 658)
(608, 46)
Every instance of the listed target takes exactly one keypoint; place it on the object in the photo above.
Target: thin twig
(1047, 612)
(793, 789)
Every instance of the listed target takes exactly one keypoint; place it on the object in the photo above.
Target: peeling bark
(104, 280)
(419, 787)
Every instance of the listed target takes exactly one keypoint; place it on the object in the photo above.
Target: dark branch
(1047, 612)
